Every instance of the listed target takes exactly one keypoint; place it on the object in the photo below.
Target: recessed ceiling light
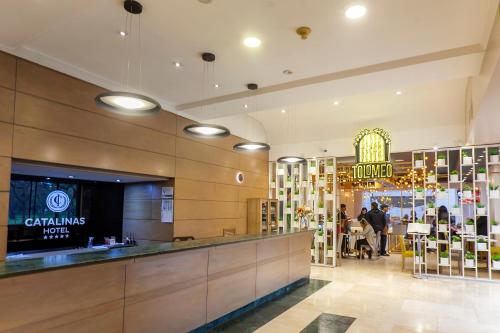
(252, 42)
(118, 180)
(399, 92)
(177, 64)
(283, 111)
(71, 176)
(245, 106)
(336, 103)
(216, 86)
(435, 148)
(123, 33)
(48, 178)
(355, 12)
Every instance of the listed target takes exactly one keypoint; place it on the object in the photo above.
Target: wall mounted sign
(55, 227)
(167, 204)
(373, 150)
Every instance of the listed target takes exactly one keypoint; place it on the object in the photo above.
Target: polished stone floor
(378, 297)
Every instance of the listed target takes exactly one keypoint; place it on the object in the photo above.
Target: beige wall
(51, 117)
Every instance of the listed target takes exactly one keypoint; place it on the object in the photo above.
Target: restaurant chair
(404, 252)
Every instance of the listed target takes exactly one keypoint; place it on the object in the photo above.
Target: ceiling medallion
(291, 159)
(125, 102)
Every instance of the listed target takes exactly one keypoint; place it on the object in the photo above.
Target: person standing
(344, 229)
(383, 236)
(376, 218)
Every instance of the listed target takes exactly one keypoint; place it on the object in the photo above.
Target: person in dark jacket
(363, 213)
(376, 218)
(383, 236)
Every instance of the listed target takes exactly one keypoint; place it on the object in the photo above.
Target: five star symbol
(56, 236)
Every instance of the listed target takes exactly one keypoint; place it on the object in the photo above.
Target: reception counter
(169, 287)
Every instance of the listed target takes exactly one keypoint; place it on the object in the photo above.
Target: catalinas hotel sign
(373, 150)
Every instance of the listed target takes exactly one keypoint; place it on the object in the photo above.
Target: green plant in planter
(297, 192)
(482, 240)
(493, 151)
(494, 222)
(456, 206)
(469, 222)
(430, 173)
(330, 219)
(441, 156)
(321, 205)
(329, 247)
(456, 238)
(419, 189)
(289, 179)
(312, 246)
(480, 205)
(320, 233)
(313, 164)
(465, 153)
(431, 205)
(432, 238)
(420, 221)
(469, 255)
(467, 187)
(281, 192)
(329, 163)
(322, 177)
(493, 187)
(442, 189)
(496, 257)
(442, 222)
(454, 172)
(289, 205)
(419, 157)
(443, 254)
(481, 170)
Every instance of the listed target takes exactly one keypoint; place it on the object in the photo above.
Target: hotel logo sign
(56, 227)
(373, 149)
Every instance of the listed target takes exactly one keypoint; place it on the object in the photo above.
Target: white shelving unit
(313, 185)
(468, 191)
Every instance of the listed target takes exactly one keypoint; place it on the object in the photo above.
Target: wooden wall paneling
(43, 82)
(204, 228)
(167, 294)
(3, 236)
(246, 193)
(148, 230)
(51, 116)
(4, 208)
(199, 190)
(202, 152)
(39, 302)
(7, 70)
(38, 145)
(5, 170)
(200, 171)
(7, 98)
(6, 137)
(194, 210)
(231, 278)
(254, 163)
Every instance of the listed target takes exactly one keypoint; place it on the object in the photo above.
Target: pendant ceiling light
(125, 102)
(290, 159)
(207, 130)
(252, 146)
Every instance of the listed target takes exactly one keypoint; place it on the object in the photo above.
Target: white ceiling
(426, 48)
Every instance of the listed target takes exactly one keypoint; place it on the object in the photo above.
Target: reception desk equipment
(168, 287)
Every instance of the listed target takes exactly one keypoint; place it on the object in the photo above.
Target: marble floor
(381, 298)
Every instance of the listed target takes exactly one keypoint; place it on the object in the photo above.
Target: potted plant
(296, 194)
(481, 209)
(469, 226)
(419, 160)
(441, 159)
(419, 221)
(495, 228)
(281, 194)
(481, 174)
(319, 237)
(289, 181)
(280, 171)
(442, 225)
(321, 207)
(312, 167)
(456, 242)
(444, 258)
(329, 250)
(493, 152)
(418, 257)
(432, 242)
(431, 209)
(469, 259)
(494, 192)
(329, 166)
(441, 193)
(482, 244)
(455, 210)
(466, 158)
(288, 208)
(454, 176)
(431, 177)
(419, 193)
(467, 191)
(496, 261)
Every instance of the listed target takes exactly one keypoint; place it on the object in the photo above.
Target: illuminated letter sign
(373, 149)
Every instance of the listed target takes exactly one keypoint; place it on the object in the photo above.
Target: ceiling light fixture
(71, 176)
(291, 159)
(118, 180)
(399, 92)
(252, 146)
(216, 86)
(336, 103)
(125, 102)
(283, 111)
(245, 106)
(355, 12)
(435, 148)
(177, 64)
(123, 33)
(252, 42)
(207, 130)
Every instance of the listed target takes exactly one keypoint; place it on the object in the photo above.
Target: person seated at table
(363, 213)
(369, 239)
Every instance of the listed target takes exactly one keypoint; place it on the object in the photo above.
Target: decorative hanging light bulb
(123, 102)
(252, 146)
(206, 130)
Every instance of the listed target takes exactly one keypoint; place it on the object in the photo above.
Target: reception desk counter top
(50, 262)
(171, 287)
